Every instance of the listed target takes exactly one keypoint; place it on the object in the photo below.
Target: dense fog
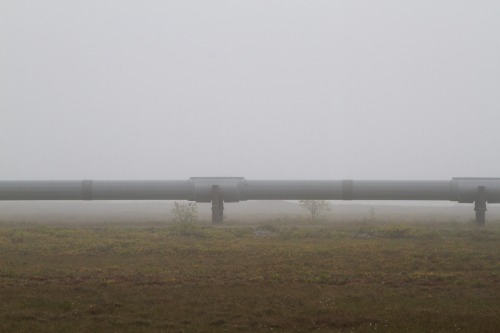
(265, 90)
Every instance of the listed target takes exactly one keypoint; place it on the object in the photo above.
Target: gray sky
(114, 89)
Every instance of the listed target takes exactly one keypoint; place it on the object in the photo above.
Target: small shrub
(183, 213)
(315, 207)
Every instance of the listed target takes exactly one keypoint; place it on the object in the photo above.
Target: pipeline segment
(97, 190)
(235, 189)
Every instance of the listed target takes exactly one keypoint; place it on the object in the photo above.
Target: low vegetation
(315, 208)
(194, 277)
(182, 213)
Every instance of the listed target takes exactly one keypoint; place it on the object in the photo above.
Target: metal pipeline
(235, 189)
(97, 190)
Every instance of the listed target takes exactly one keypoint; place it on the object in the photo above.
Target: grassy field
(352, 277)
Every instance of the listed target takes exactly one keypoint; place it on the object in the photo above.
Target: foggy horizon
(280, 90)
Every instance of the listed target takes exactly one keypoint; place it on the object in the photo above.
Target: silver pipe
(347, 190)
(234, 189)
(97, 190)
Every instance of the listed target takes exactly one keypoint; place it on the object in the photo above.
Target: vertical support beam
(217, 205)
(480, 206)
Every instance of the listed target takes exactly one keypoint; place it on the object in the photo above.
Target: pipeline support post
(217, 205)
(480, 206)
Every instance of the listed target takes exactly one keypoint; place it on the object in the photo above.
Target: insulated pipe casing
(230, 188)
(142, 190)
(292, 190)
(401, 190)
(42, 190)
(465, 190)
(346, 190)
(234, 189)
(96, 190)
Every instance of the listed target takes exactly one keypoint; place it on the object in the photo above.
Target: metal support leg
(217, 205)
(480, 206)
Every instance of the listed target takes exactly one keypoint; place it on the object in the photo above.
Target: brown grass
(195, 278)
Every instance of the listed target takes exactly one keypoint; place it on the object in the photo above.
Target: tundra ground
(351, 277)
